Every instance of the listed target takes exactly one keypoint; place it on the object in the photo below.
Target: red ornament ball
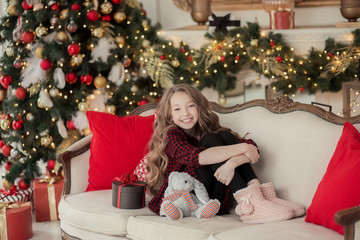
(330, 55)
(70, 125)
(20, 93)
(92, 15)
(71, 77)
(116, 1)
(1, 143)
(219, 47)
(222, 59)
(5, 81)
(6, 150)
(45, 64)
(27, 37)
(18, 64)
(17, 124)
(22, 185)
(7, 166)
(301, 89)
(75, 7)
(190, 58)
(279, 59)
(55, 7)
(26, 6)
(143, 12)
(162, 57)
(51, 164)
(143, 102)
(87, 79)
(106, 18)
(237, 58)
(183, 50)
(73, 49)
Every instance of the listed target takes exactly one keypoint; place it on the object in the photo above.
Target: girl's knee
(211, 140)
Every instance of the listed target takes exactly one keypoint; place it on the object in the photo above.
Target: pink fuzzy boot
(254, 208)
(268, 192)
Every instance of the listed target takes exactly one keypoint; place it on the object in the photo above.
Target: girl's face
(184, 112)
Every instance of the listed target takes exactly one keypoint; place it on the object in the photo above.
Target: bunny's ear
(201, 192)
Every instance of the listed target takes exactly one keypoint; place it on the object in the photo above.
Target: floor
(46, 230)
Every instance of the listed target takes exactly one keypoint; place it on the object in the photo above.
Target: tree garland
(213, 64)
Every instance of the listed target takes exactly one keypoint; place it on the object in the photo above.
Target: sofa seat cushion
(294, 229)
(156, 227)
(94, 212)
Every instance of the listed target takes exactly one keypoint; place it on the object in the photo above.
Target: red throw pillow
(117, 146)
(339, 187)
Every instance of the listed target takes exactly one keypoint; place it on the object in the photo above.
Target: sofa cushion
(294, 229)
(339, 187)
(93, 211)
(156, 227)
(117, 146)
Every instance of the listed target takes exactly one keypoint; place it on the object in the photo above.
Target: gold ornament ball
(134, 88)
(40, 103)
(5, 124)
(2, 94)
(54, 92)
(46, 141)
(64, 13)
(88, 4)
(106, 7)
(110, 109)
(83, 107)
(62, 36)
(6, 184)
(146, 43)
(100, 81)
(41, 31)
(9, 51)
(87, 132)
(120, 40)
(38, 6)
(39, 51)
(12, 10)
(175, 63)
(119, 17)
(54, 20)
(222, 100)
(30, 117)
(98, 32)
(76, 60)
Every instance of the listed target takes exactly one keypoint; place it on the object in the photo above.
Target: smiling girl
(189, 138)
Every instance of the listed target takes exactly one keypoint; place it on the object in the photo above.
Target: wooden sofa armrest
(66, 157)
(347, 218)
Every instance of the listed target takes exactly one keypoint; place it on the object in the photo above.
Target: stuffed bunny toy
(186, 196)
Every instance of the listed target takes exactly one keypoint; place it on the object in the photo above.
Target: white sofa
(296, 142)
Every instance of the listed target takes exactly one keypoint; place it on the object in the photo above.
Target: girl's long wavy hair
(157, 159)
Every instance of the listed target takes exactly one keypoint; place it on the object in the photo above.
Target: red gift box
(18, 196)
(282, 19)
(13, 217)
(46, 200)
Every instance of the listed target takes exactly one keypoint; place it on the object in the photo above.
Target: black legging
(243, 173)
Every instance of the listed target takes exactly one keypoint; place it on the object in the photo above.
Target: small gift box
(128, 192)
(47, 195)
(283, 19)
(14, 195)
(15, 221)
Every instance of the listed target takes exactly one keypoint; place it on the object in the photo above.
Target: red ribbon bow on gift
(13, 190)
(127, 178)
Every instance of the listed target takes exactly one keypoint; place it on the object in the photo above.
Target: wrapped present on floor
(128, 192)
(282, 19)
(15, 221)
(47, 195)
(15, 195)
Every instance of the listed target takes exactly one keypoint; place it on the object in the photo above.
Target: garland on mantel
(215, 64)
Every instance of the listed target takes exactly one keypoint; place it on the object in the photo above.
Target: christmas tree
(61, 59)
